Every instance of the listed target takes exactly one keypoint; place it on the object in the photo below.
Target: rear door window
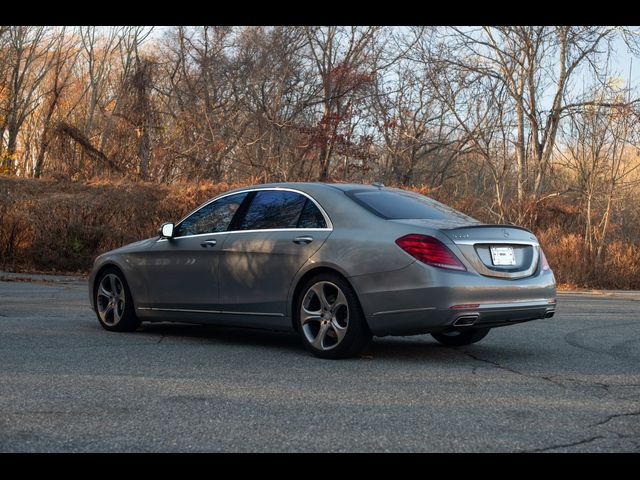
(311, 217)
(273, 209)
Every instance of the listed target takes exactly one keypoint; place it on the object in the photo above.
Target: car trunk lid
(504, 251)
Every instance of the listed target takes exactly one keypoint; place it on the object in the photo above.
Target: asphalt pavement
(566, 384)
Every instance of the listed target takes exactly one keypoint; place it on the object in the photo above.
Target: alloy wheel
(110, 299)
(324, 315)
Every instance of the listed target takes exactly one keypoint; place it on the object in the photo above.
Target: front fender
(123, 262)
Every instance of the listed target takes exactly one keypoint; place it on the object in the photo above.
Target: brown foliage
(59, 226)
(50, 225)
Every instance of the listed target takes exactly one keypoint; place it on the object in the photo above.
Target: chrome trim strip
(261, 314)
(407, 310)
(327, 219)
(249, 231)
(496, 242)
(517, 304)
(223, 312)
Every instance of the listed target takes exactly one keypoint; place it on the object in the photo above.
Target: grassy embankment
(51, 226)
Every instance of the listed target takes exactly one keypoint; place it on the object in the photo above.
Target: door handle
(303, 239)
(208, 243)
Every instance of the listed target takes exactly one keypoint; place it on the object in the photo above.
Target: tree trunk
(521, 161)
(144, 152)
(588, 231)
(37, 171)
(12, 147)
(324, 163)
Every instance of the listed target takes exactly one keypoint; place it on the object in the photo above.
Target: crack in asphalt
(617, 415)
(511, 370)
(608, 388)
(604, 386)
(634, 438)
(565, 445)
(554, 379)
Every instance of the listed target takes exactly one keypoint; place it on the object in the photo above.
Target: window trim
(327, 219)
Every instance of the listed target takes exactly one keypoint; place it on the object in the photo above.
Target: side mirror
(166, 230)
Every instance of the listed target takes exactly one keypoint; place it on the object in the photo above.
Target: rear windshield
(400, 204)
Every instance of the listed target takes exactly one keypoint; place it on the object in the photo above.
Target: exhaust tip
(549, 313)
(466, 320)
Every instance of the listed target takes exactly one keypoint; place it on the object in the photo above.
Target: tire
(329, 318)
(115, 313)
(458, 338)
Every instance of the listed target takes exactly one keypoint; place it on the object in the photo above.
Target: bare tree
(420, 143)
(531, 64)
(278, 90)
(599, 147)
(198, 99)
(64, 55)
(475, 111)
(344, 58)
(128, 54)
(27, 64)
(98, 44)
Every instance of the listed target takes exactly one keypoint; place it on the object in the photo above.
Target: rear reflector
(466, 305)
(543, 261)
(430, 250)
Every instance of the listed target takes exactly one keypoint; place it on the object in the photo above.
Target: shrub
(50, 225)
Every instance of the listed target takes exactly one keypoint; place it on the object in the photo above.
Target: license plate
(503, 256)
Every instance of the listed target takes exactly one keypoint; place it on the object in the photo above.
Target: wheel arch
(305, 278)
(94, 283)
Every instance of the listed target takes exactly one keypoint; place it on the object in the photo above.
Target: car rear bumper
(420, 299)
(435, 320)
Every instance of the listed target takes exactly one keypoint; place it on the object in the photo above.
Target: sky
(626, 62)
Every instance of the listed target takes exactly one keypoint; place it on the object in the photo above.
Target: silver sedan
(337, 263)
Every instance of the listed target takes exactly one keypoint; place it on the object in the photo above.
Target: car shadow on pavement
(425, 348)
(195, 333)
(419, 347)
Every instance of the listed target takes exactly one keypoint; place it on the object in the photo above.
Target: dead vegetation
(48, 225)
(61, 226)
(532, 125)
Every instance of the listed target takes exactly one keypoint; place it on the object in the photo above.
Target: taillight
(430, 250)
(544, 265)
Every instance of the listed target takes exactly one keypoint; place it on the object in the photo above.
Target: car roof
(302, 185)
